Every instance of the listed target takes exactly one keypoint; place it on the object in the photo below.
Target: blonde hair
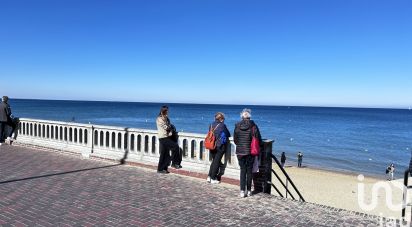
(246, 113)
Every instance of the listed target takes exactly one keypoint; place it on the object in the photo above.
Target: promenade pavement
(45, 188)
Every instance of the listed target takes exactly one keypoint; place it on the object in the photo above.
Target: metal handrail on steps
(288, 180)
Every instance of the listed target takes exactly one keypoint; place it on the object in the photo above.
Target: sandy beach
(347, 191)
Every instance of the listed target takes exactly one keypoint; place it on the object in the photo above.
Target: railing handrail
(98, 126)
(405, 191)
(55, 122)
(288, 179)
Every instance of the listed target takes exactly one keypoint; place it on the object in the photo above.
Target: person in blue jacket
(222, 135)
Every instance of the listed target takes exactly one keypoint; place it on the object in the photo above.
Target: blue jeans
(246, 165)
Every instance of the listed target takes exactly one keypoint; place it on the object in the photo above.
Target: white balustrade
(117, 143)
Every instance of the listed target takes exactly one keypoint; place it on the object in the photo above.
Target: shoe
(208, 179)
(1, 144)
(176, 166)
(9, 138)
(249, 193)
(214, 182)
(163, 171)
(242, 194)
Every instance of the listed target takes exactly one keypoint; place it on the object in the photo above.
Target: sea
(351, 140)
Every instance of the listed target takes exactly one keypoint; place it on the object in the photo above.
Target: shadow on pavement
(56, 174)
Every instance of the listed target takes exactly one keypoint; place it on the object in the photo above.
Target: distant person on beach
(222, 135)
(410, 167)
(283, 159)
(5, 120)
(166, 143)
(243, 138)
(390, 171)
(300, 157)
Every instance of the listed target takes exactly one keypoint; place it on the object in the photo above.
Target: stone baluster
(110, 139)
(139, 142)
(129, 141)
(102, 139)
(122, 142)
(189, 148)
(149, 145)
(198, 149)
(89, 143)
(157, 146)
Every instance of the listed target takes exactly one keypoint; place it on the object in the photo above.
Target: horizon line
(230, 104)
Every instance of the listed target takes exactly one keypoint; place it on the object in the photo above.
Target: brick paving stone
(46, 188)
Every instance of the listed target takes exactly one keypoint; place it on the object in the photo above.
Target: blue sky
(318, 53)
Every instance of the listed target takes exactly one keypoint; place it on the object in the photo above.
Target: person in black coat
(410, 167)
(222, 135)
(5, 119)
(300, 157)
(167, 142)
(283, 159)
(244, 130)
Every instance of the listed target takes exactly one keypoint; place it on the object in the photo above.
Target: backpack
(210, 140)
(223, 138)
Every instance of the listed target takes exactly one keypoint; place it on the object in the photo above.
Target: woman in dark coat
(166, 141)
(244, 130)
(283, 159)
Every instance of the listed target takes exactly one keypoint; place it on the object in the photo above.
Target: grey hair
(5, 98)
(246, 114)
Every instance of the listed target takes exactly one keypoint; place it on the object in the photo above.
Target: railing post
(267, 186)
(262, 180)
(90, 142)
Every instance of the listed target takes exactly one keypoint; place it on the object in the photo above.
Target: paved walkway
(43, 188)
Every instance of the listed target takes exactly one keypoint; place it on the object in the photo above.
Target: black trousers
(165, 145)
(177, 155)
(12, 124)
(2, 131)
(216, 164)
(246, 165)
